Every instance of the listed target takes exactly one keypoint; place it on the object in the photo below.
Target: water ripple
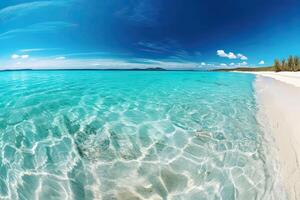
(130, 135)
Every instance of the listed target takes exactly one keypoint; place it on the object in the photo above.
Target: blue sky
(177, 34)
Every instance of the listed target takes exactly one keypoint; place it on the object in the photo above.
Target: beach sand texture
(292, 78)
(279, 101)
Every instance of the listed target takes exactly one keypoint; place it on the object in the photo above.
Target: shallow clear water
(130, 135)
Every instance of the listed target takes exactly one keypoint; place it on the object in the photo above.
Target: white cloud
(22, 9)
(97, 63)
(155, 47)
(243, 63)
(231, 64)
(222, 53)
(261, 62)
(203, 63)
(231, 55)
(88, 54)
(15, 56)
(24, 56)
(223, 64)
(60, 58)
(39, 27)
(30, 50)
(242, 57)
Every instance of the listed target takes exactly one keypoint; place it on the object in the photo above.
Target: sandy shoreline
(278, 96)
(292, 78)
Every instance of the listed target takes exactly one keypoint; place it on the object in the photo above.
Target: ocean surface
(130, 135)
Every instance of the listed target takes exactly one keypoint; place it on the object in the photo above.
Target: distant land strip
(247, 69)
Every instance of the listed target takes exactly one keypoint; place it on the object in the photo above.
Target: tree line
(290, 64)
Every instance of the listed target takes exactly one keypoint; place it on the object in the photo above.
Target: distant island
(291, 64)
(87, 69)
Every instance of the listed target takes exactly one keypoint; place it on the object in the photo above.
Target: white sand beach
(278, 96)
(292, 78)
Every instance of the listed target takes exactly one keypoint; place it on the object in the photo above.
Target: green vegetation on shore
(247, 69)
(291, 64)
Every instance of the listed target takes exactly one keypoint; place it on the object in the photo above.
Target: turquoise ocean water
(130, 135)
